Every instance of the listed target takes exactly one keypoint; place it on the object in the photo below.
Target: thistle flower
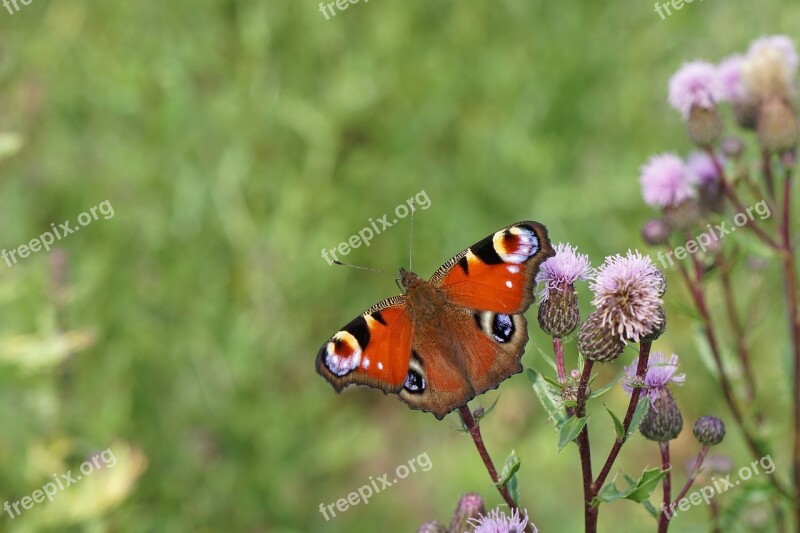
(628, 295)
(563, 269)
(498, 522)
(660, 373)
(702, 167)
(695, 85)
(558, 310)
(729, 73)
(770, 67)
(666, 181)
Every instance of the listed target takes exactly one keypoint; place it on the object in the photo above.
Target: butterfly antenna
(335, 262)
(411, 235)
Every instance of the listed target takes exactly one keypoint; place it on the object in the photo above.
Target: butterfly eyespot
(502, 327)
(343, 353)
(515, 244)
(414, 382)
(497, 325)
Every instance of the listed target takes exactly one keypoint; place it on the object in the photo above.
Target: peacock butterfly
(451, 338)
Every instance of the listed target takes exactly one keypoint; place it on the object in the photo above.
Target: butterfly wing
(373, 349)
(497, 273)
(486, 288)
(470, 353)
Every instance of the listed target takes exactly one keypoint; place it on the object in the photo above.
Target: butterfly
(448, 339)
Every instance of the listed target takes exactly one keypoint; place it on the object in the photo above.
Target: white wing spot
(509, 284)
(380, 365)
(365, 362)
(514, 269)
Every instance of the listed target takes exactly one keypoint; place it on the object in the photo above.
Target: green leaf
(646, 484)
(570, 430)
(491, 407)
(638, 415)
(600, 392)
(617, 424)
(508, 477)
(549, 397)
(638, 491)
(552, 381)
(569, 403)
(651, 509)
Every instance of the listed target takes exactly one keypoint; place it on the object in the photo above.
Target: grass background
(235, 140)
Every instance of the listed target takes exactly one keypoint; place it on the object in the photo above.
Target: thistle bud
(559, 313)
(655, 232)
(470, 506)
(709, 430)
(598, 342)
(683, 215)
(746, 113)
(704, 126)
(663, 422)
(432, 527)
(778, 129)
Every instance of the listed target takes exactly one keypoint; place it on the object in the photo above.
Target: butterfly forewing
(497, 273)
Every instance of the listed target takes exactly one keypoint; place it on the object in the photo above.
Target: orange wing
(374, 349)
(497, 273)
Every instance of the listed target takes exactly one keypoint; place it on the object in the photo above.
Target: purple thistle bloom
(498, 522)
(730, 77)
(702, 168)
(660, 372)
(628, 295)
(563, 269)
(666, 181)
(695, 84)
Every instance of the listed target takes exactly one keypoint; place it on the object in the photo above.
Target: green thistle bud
(704, 126)
(663, 422)
(598, 342)
(684, 215)
(709, 430)
(559, 313)
(778, 129)
(469, 506)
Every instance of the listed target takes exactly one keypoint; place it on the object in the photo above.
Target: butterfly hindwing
(497, 273)
(373, 349)
(479, 350)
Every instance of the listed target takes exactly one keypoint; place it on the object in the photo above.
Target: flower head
(702, 168)
(709, 430)
(498, 522)
(770, 66)
(666, 181)
(729, 72)
(628, 295)
(563, 269)
(696, 84)
(660, 373)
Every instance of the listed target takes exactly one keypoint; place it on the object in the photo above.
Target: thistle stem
(663, 521)
(558, 350)
(585, 450)
(641, 370)
(475, 432)
(701, 455)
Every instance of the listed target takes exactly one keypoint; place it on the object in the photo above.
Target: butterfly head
(409, 279)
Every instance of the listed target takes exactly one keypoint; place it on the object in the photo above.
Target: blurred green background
(235, 140)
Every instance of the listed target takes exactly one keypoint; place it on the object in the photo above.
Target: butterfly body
(451, 338)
